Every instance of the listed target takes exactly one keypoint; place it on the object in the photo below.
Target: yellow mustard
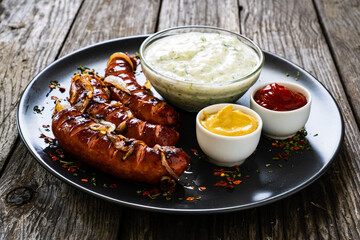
(229, 122)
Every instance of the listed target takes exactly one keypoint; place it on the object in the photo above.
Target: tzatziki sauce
(202, 57)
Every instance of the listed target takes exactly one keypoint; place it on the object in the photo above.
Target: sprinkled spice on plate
(156, 193)
(231, 177)
(38, 110)
(52, 86)
(293, 144)
(192, 198)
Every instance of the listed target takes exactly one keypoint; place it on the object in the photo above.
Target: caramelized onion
(165, 163)
(147, 84)
(117, 140)
(116, 104)
(117, 82)
(58, 107)
(129, 114)
(85, 83)
(103, 126)
(121, 127)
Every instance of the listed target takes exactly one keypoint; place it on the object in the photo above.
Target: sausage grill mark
(87, 129)
(115, 154)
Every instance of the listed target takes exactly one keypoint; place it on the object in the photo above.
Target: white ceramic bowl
(227, 151)
(193, 96)
(282, 124)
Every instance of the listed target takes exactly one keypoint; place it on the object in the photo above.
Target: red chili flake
(113, 185)
(84, 180)
(281, 145)
(247, 176)
(54, 158)
(282, 155)
(230, 179)
(202, 188)
(54, 98)
(46, 139)
(274, 144)
(221, 183)
(194, 150)
(237, 182)
(62, 89)
(52, 86)
(150, 192)
(302, 142)
(45, 126)
(296, 148)
(190, 199)
(71, 169)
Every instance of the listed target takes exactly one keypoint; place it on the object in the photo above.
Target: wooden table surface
(321, 36)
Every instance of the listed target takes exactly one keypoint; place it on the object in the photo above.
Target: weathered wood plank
(48, 208)
(57, 210)
(138, 224)
(111, 19)
(218, 13)
(147, 225)
(292, 30)
(329, 208)
(341, 21)
(30, 38)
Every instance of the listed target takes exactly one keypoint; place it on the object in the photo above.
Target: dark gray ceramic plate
(325, 134)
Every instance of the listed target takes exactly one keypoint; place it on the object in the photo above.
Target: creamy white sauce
(202, 57)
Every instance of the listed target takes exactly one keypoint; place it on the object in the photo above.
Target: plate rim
(123, 203)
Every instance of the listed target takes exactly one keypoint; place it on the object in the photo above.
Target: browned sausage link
(118, 114)
(129, 126)
(114, 154)
(141, 102)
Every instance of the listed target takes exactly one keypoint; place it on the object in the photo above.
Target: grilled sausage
(117, 155)
(140, 100)
(98, 106)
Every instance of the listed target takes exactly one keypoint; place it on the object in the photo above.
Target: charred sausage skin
(115, 112)
(140, 100)
(114, 154)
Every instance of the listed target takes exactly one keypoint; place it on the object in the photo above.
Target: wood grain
(341, 21)
(55, 209)
(147, 225)
(50, 209)
(217, 13)
(138, 224)
(36, 205)
(30, 38)
(292, 30)
(111, 19)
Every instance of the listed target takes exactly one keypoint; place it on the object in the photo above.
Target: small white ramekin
(282, 124)
(227, 151)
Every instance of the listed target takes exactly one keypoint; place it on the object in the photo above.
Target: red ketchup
(279, 98)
